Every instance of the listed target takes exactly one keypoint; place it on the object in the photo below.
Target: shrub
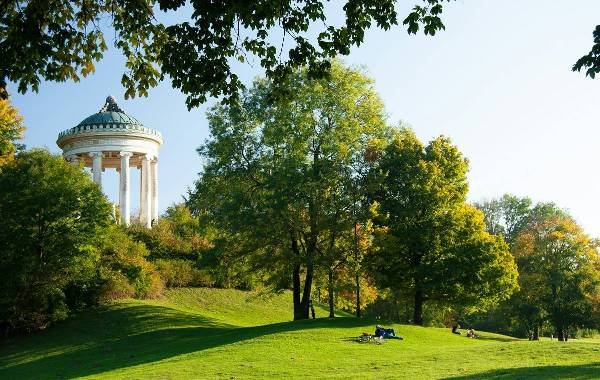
(125, 272)
(182, 273)
(177, 235)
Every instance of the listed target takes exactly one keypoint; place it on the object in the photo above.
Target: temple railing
(108, 128)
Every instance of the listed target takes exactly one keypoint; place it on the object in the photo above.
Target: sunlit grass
(212, 333)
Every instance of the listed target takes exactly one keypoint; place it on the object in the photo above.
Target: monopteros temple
(113, 139)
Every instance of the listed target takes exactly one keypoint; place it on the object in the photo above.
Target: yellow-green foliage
(11, 129)
(124, 268)
(176, 235)
(180, 273)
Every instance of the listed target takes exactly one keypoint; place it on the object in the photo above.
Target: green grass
(211, 333)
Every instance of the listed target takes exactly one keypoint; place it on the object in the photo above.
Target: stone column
(124, 191)
(154, 189)
(143, 192)
(146, 185)
(97, 167)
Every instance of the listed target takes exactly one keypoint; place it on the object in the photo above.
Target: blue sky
(497, 81)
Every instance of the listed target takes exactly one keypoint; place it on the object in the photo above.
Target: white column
(143, 193)
(97, 167)
(124, 193)
(154, 189)
(146, 185)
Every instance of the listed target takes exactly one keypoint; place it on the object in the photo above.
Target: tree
(508, 215)
(11, 130)
(278, 175)
(560, 274)
(430, 242)
(591, 61)
(52, 214)
(196, 53)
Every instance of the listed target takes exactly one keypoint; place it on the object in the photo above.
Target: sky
(497, 81)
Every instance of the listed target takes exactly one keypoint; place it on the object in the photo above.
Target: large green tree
(51, 215)
(61, 40)
(431, 243)
(279, 176)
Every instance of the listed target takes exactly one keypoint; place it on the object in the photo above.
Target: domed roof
(110, 119)
(110, 113)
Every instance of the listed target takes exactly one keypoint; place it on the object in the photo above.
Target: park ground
(230, 334)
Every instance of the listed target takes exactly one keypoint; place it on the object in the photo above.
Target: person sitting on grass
(455, 329)
(471, 334)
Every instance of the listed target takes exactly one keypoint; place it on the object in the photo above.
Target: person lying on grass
(455, 329)
(382, 332)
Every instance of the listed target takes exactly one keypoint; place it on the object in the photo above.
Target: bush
(176, 235)
(182, 273)
(115, 286)
(125, 272)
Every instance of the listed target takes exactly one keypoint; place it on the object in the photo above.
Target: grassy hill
(216, 333)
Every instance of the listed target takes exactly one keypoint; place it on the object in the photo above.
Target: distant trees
(559, 268)
(430, 243)
(560, 272)
(52, 214)
(281, 177)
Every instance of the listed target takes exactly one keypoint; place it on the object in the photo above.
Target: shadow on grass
(112, 339)
(583, 371)
(496, 338)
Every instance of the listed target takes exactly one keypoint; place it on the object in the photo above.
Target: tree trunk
(357, 278)
(560, 334)
(536, 333)
(296, 293)
(330, 294)
(418, 310)
(305, 304)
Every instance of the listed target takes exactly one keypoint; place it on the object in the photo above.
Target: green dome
(110, 113)
(109, 117)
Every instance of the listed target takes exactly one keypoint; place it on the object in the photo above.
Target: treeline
(559, 271)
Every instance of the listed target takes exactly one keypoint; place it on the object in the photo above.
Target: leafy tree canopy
(51, 215)
(560, 272)
(509, 214)
(62, 40)
(279, 176)
(431, 242)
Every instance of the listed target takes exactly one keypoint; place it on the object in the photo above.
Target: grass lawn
(229, 334)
